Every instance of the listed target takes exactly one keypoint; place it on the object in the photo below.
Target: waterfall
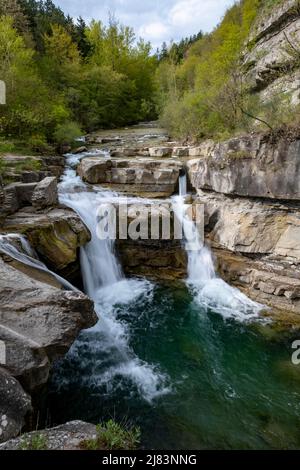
(28, 256)
(105, 283)
(182, 185)
(209, 291)
(99, 264)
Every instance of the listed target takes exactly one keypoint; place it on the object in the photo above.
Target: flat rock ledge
(69, 436)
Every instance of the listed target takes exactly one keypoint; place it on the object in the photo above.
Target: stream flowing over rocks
(247, 272)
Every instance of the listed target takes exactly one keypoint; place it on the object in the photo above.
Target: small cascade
(104, 281)
(27, 256)
(182, 185)
(209, 290)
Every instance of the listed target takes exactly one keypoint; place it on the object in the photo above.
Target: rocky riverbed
(250, 190)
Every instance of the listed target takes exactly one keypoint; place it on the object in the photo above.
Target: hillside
(245, 75)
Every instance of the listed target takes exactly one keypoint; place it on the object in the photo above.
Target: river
(191, 363)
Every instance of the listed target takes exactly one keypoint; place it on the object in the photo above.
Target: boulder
(160, 152)
(38, 324)
(45, 193)
(15, 404)
(69, 436)
(56, 235)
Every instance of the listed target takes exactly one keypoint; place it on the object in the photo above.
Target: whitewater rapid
(105, 283)
(209, 290)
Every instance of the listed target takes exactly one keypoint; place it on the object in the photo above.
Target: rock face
(45, 193)
(154, 259)
(14, 406)
(257, 244)
(141, 176)
(56, 235)
(249, 166)
(253, 227)
(38, 324)
(270, 65)
(69, 436)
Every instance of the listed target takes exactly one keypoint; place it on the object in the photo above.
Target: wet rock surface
(69, 436)
(139, 176)
(38, 324)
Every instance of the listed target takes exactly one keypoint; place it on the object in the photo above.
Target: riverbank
(152, 338)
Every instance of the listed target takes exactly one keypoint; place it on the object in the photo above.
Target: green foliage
(35, 442)
(199, 97)
(67, 133)
(6, 147)
(58, 72)
(113, 436)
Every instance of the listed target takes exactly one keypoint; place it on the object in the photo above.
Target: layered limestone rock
(271, 281)
(45, 193)
(271, 64)
(151, 248)
(142, 176)
(154, 259)
(40, 195)
(38, 324)
(250, 166)
(29, 169)
(257, 244)
(56, 235)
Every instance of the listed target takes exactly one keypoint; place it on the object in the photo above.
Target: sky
(153, 20)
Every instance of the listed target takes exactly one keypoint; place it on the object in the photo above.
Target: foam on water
(26, 255)
(209, 290)
(105, 283)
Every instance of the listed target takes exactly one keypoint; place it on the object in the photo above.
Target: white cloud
(155, 31)
(154, 20)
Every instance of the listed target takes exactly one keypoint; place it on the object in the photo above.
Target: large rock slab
(253, 227)
(135, 176)
(38, 324)
(251, 166)
(270, 281)
(69, 436)
(14, 406)
(56, 235)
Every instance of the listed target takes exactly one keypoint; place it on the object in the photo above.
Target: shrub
(66, 133)
(38, 143)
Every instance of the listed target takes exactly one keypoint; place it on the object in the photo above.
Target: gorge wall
(250, 189)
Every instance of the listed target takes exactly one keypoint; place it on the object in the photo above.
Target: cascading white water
(182, 185)
(209, 290)
(28, 256)
(106, 284)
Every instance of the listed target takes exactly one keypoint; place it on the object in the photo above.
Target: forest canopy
(65, 77)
